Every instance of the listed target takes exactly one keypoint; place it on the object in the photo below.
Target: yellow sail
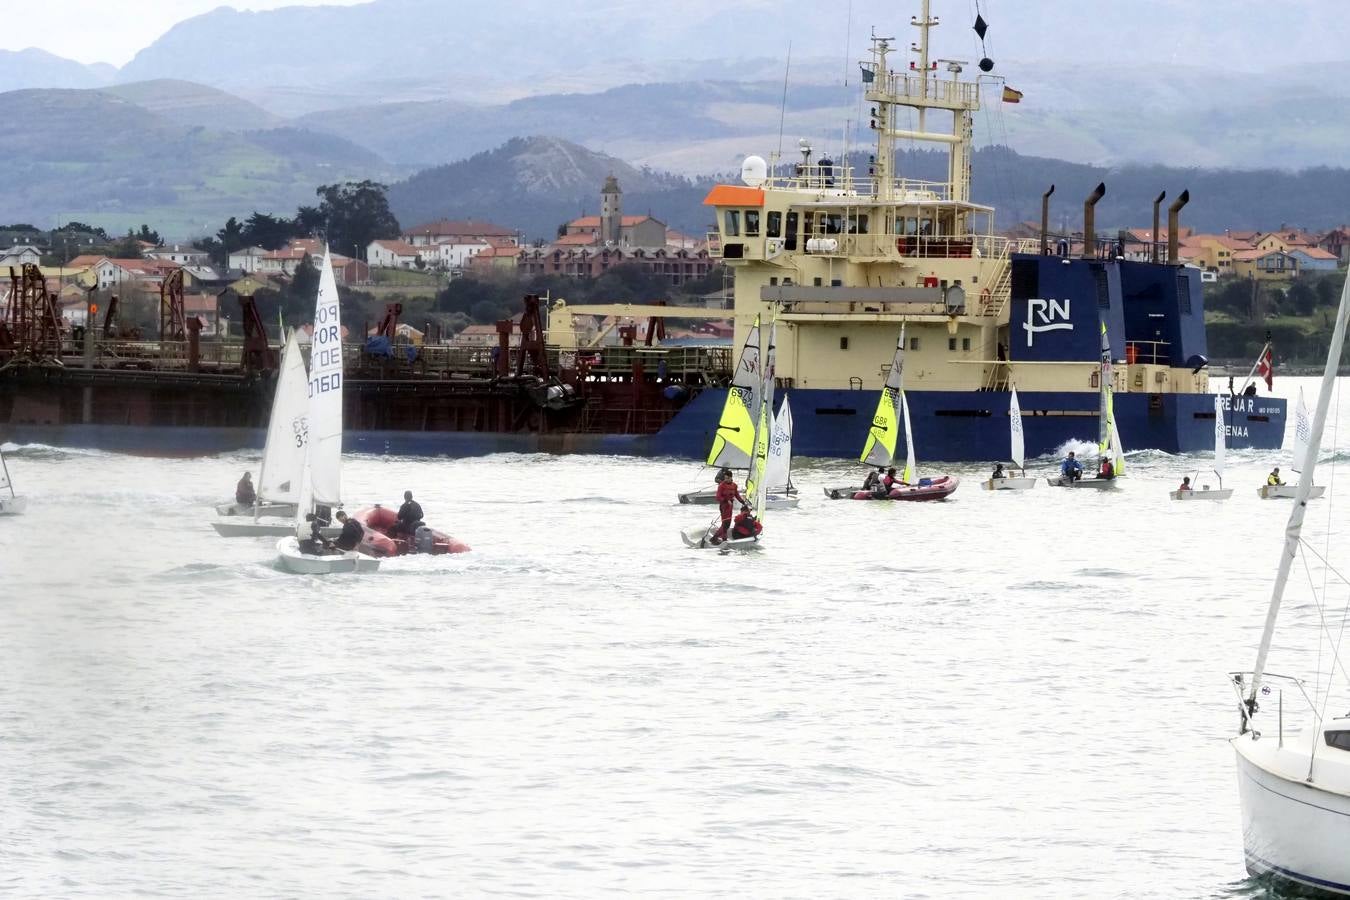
(754, 491)
(734, 442)
(879, 450)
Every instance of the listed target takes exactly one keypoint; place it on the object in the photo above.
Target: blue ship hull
(949, 426)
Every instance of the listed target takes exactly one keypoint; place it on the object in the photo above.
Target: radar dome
(754, 171)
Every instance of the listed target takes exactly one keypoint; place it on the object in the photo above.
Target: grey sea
(1003, 695)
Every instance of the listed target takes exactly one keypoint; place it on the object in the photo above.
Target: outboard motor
(424, 539)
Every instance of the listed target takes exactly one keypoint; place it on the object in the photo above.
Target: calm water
(1003, 695)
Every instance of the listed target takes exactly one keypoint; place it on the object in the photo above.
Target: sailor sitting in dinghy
(409, 516)
(244, 494)
(1274, 479)
(746, 525)
(352, 532)
(316, 544)
(1071, 468)
(998, 471)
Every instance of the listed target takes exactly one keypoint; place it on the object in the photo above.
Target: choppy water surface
(1016, 695)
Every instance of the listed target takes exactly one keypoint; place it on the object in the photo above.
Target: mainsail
(908, 475)
(4, 475)
(778, 475)
(756, 487)
(1109, 443)
(287, 430)
(1220, 438)
(734, 442)
(1019, 450)
(880, 447)
(325, 392)
(1302, 430)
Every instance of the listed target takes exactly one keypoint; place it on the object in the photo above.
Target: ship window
(833, 223)
(914, 343)
(1103, 287)
(951, 343)
(857, 224)
(774, 225)
(752, 223)
(843, 343)
(965, 344)
(732, 220)
(1184, 293)
(790, 240)
(1338, 739)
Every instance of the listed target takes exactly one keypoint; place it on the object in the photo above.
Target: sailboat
(1302, 429)
(1294, 784)
(1018, 452)
(1220, 451)
(733, 442)
(778, 475)
(321, 471)
(12, 505)
(284, 454)
(891, 415)
(746, 413)
(1109, 445)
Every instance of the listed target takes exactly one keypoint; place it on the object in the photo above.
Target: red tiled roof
(594, 221)
(576, 240)
(401, 248)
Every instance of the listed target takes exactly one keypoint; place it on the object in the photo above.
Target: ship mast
(920, 89)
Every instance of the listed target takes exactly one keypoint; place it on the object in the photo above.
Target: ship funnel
(1090, 221)
(1153, 250)
(1045, 221)
(1173, 216)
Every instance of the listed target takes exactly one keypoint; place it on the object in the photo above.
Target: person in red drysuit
(746, 524)
(727, 494)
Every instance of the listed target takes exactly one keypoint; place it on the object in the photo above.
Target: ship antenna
(782, 110)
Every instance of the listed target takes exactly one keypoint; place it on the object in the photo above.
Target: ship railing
(1151, 353)
(904, 86)
(913, 246)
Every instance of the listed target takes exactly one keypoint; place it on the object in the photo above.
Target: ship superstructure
(841, 258)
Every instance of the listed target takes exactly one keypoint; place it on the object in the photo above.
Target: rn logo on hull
(1046, 315)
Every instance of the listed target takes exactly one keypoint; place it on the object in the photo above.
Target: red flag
(1265, 367)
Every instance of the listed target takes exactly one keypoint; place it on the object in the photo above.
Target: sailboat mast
(1294, 529)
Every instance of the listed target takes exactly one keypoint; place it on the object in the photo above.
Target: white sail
(778, 476)
(1220, 438)
(325, 392)
(911, 467)
(1019, 450)
(4, 475)
(1302, 429)
(287, 430)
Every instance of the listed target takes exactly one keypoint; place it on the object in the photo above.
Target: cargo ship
(838, 258)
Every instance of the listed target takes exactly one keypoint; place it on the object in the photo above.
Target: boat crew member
(727, 494)
(746, 524)
(873, 479)
(1274, 477)
(244, 494)
(1108, 469)
(1185, 484)
(352, 532)
(998, 471)
(409, 515)
(889, 483)
(1071, 468)
(316, 544)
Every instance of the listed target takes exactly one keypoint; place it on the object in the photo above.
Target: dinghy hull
(776, 499)
(265, 529)
(1287, 491)
(939, 488)
(1202, 494)
(381, 540)
(1089, 484)
(12, 506)
(697, 539)
(1009, 484)
(280, 510)
(293, 560)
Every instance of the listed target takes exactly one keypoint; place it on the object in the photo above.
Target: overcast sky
(112, 31)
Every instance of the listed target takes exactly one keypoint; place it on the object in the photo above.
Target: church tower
(611, 211)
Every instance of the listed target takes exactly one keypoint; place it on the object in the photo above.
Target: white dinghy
(1302, 444)
(283, 459)
(13, 504)
(1220, 451)
(1018, 452)
(1294, 783)
(321, 473)
(784, 495)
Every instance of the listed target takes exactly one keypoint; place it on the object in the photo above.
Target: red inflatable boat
(380, 539)
(939, 488)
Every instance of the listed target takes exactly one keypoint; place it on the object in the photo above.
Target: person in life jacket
(746, 524)
(889, 483)
(409, 516)
(727, 494)
(1274, 478)
(873, 479)
(998, 472)
(1071, 468)
(352, 532)
(244, 494)
(1185, 484)
(1108, 469)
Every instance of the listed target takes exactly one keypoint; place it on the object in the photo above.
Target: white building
(248, 259)
(182, 256)
(391, 254)
(20, 255)
(281, 262)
